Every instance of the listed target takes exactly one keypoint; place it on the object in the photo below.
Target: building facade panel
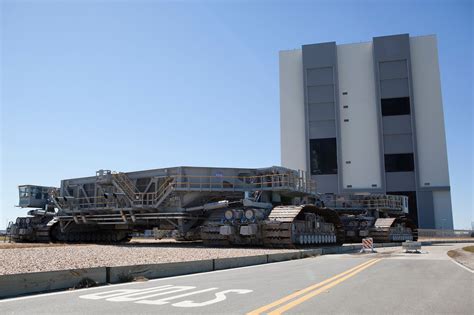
(393, 88)
(393, 70)
(400, 181)
(322, 129)
(326, 183)
(398, 143)
(320, 93)
(426, 213)
(320, 76)
(292, 111)
(320, 84)
(442, 209)
(358, 118)
(396, 125)
(321, 111)
(391, 48)
(432, 153)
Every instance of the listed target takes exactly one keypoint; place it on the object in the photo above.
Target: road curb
(152, 271)
(235, 262)
(36, 282)
(284, 256)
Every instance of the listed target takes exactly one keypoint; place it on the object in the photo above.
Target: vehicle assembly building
(368, 117)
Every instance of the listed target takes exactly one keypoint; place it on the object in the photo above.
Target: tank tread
(43, 234)
(93, 237)
(280, 229)
(276, 234)
(216, 242)
(211, 236)
(386, 232)
(380, 236)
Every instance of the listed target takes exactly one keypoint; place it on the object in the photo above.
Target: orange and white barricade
(367, 245)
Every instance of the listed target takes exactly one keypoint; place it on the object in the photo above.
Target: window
(24, 192)
(399, 162)
(323, 156)
(395, 106)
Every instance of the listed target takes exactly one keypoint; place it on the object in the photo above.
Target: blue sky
(130, 85)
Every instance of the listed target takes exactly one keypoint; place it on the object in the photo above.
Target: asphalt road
(387, 282)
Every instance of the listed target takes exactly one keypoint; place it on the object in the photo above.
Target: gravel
(49, 258)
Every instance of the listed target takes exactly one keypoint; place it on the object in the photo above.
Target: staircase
(121, 181)
(163, 192)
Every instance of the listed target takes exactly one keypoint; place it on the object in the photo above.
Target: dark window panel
(395, 106)
(399, 162)
(323, 156)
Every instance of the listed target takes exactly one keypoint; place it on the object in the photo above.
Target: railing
(389, 202)
(155, 198)
(286, 181)
(96, 202)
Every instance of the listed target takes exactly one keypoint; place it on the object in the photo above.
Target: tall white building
(368, 117)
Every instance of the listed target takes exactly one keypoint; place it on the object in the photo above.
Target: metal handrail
(365, 202)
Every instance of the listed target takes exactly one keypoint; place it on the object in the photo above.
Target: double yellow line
(311, 291)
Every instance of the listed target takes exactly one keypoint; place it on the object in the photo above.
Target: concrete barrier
(283, 256)
(311, 252)
(346, 249)
(329, 250)
(234, 262)
(129, 273)
(27, 283)
(357, 247)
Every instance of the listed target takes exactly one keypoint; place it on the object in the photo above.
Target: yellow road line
(306, 297)
(303, 291)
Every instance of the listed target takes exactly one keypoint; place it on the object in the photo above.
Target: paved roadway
(387, 282)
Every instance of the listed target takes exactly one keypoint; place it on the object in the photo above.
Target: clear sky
(130, 85)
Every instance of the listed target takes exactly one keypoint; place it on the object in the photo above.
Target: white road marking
(165, 300)
(142, 296)
(113, 293)
(461, 265)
